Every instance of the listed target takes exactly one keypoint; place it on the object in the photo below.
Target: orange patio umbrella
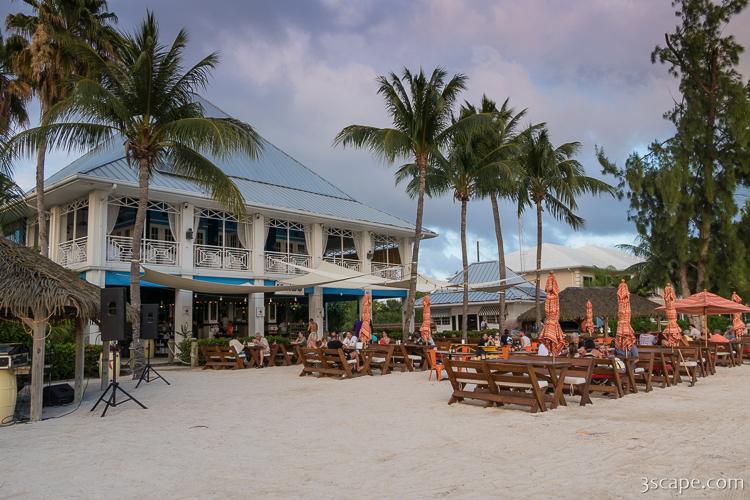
(737, 324)
(672, 333)
(552, 334)
(365, 331)
(625, 337)
(424, 330)
(587, 325)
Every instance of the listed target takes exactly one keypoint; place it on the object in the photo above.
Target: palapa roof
(604, 302)
(30, 283)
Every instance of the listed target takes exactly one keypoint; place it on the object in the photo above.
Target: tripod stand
(148, 370)
(114, 386)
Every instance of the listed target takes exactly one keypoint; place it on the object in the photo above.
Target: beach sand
(269, 433)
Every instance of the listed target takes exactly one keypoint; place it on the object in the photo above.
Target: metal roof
(275, 180)
(484, 272)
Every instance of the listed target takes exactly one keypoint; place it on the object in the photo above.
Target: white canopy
(178, 282)
(496, 286)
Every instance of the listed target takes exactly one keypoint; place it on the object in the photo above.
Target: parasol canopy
(552, 334)
(425, 328)
(587, 325)
(365, 331)
(706, 302)
(625, 337)
(737, 324)
(672, 333)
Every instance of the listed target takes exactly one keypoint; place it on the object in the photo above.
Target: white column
(406, 247)
(91, 332)
(258, 244)
(366, 262)
(29, 232)
(256, 312)
(97, 229)
(186, 222)
(318, 244)
(183, 316)
(54, 232)
(315, 308)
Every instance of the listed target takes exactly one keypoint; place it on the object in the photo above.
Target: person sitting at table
(483, 341)
(525, 340)
(506, 339)
(300, 339)
(385, 339)
(350, 340)
(312, 341)
(631, 353)
(261, 341)
(729, 334)
(543, 349)
(239, 348)
(230, 329)
(647, 339)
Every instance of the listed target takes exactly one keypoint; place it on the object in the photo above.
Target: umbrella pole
(606, 331)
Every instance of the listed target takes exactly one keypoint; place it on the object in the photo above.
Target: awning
(200, 286)
(493, 310)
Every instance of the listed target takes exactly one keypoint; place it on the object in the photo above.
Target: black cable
(77, 407)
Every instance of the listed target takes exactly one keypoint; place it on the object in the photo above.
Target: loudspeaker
(113, 313)
(149, 321)
(55, 395)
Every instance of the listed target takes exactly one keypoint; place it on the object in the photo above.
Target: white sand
(270, 433)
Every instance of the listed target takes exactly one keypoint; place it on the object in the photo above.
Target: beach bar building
(295, 220)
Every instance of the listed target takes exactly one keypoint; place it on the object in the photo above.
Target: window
(154, 234)
(74, 220)
(588, 281)
(221, 229)
(340, 245)
(286, 237)
(385, 249)
(442, 321)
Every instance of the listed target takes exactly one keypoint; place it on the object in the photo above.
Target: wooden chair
(496, 384)
(378, 357)
(219, 357)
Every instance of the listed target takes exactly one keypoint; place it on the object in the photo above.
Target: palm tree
(421, 126)
(47, 59)
(14, 93)
(499, 149)
(145, 99)
(551, 178)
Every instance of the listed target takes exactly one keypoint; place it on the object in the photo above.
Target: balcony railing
(279, 262)
(120, 249)
(73, 252)
(352, 264)
(214, 257)
(388, 271)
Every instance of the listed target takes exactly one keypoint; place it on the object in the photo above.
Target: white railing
(388, 271)
(277, 262)
(214, 257)
(120, 249)
(352, 264)
(72, 252)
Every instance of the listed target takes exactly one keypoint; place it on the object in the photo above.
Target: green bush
(61, 358)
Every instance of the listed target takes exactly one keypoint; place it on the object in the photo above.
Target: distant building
(447, 307)
(573, 267)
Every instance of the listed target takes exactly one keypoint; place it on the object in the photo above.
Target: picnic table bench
(379, 357)
(220, 357)
(496, 383)
(281, 355)
(325, 362)
(605, 377)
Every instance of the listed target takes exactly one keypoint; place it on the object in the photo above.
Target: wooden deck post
(37, 369)
(79, 361)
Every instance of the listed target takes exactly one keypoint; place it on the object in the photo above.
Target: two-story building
(295, 219)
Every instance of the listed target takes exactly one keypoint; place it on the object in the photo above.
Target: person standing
(312, 327)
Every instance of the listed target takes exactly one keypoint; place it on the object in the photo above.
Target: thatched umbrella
(737, 324)
(35, 290)
(625, 337)
(552, 335)
(672, 333)
(587, 325)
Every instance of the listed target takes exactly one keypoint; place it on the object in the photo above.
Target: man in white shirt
(647, 339)
(525, 341)
(694, 332)
(350, 340)
(266, 352)
(543, 351)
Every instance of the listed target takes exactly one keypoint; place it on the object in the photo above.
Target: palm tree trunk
(465, 259)
(684, 286)
(409, 312)
(135, 264)
(41, 154)
(538, 301)
(500, 259)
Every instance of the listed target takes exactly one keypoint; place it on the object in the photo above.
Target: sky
(300, 71)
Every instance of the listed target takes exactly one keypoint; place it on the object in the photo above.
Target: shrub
(61, 358)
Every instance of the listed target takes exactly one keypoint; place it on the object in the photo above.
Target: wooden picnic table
(254, 355)
(556, 369)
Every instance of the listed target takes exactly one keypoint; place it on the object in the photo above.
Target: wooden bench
(400, 359)
(578, 378)
(605, 377)
(643, 369)
(723, 354)
(496, 384)
(325, 362)
(418, 356)
(281, 355)
(379, 357)
(220, 357)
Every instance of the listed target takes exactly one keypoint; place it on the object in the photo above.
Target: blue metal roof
(485, 272)
(275, 180)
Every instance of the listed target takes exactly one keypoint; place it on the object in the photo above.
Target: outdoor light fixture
(189, 234)
(369, 254)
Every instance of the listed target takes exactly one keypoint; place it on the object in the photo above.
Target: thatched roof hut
(604, 302)
(35, 290)
(31, 284)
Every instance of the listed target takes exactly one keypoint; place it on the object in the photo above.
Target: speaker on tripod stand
(112, 317)
(149, 331)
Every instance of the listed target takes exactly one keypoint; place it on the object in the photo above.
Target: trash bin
(8, 392)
